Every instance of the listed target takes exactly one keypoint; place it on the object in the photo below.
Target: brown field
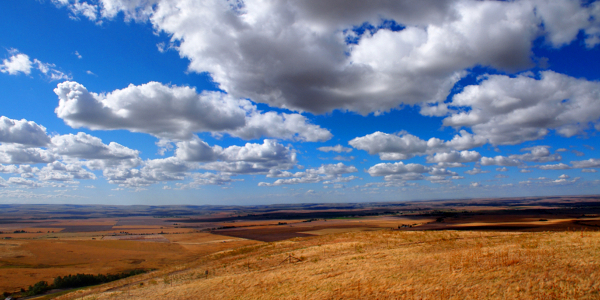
(384, 264)
(533, 248)
(25, 262)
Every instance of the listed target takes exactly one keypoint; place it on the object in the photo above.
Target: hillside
(383, 264)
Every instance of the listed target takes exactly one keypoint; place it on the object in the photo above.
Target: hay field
(384, 264)
(26, 261)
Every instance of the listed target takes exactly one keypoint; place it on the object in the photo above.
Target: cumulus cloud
(26, 133)
(500, 161)
(331, 173)
(176, 112)
(455, 157)
(15, 154)
(590, 163)
(511, 110)
(336, 148)
(20, 63)
(559, 166)
(476, 171)
(405, 146)
(294, 55)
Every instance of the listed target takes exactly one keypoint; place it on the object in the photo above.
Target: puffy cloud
(500, 161)
(391, 146)
(23, 182)
(405, 146)
(590, 163)
(537, 154)
(331, 172)
(454, 157)
(20, 63)
(559, 166)
(283, 126)
(13, 154)
(310, 56)
(336, 148)
(503, 169)
(476, 171)
(24, 170)
(252, 158)
(507, 110)
(383, 169)
(23, 132)
(58, 171)
(97, 154)
(588, 170)
(176, 112)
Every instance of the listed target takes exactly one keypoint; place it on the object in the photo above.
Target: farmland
(482, 248)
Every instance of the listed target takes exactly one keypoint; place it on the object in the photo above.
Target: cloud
(590, 163)
(537, 154)
(23, 182)
(332, 173)
(97, 154)
(454, 157)
(336, 148)
(500, 161)
(294, 55)
(503, 169)
(176, 112)
(476, 171)
(58, 171)
(559, 166)
(20, 63)
(13, 154)
(26, 133)
(383, 169)
(405, 146)
(507, 110)
(588, 170)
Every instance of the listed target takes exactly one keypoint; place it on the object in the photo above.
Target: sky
(219, 102)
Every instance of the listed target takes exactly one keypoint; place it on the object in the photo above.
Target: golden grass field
(382, 264)
(25, 261)
(535, 252)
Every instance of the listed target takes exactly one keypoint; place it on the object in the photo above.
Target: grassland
(534, 248)
(383, 264)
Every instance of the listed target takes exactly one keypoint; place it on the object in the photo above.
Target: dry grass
(385, 265)
(25, 262)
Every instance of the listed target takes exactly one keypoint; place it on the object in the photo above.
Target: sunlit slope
(384, 265)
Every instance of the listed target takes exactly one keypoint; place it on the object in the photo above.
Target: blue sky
(258, 102)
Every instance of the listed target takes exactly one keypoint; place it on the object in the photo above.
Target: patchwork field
(476, 250)
(383, 264)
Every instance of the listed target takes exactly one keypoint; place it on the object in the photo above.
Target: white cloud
(13, 154)
(506, 110)
(26, 133)
(476, 171)
(305, 55)
(503, 169)
(590, 163)
(383, 169)
(336, 148)
(332, 173)
(176, 112)
(588, 170)
(537, 154)
(23, 182)
(18, 63)
(559, 166)
(500, 161)
(455, 157)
